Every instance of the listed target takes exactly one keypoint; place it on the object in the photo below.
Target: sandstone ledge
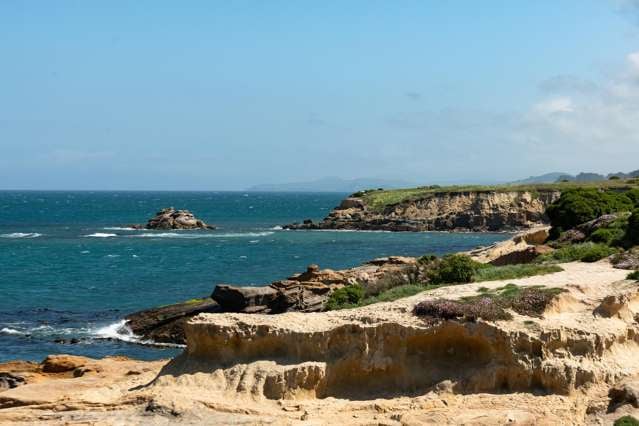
(374, 365)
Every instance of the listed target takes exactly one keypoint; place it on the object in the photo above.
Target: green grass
(509, 272)
(633, 276)
(585, 252)
(626, 421)
(379, 199)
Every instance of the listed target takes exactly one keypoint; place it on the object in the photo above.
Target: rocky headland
(169, 218)
(574, 362)
(482, 210)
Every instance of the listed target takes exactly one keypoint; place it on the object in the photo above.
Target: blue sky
(224, 95)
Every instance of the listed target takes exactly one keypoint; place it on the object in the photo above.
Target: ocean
(71, 269)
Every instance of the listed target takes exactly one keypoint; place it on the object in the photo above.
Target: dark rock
(628, 260)
(601, 222)
(625, 393)
(572, 236)
(170, 218)
(238, 299)
(10, 380)
(166, 324)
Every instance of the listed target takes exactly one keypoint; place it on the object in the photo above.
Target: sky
(203, 95)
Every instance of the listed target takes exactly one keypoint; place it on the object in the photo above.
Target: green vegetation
(584, 252)
(449, 270)
(379, 199)
(626, 421)
(491, 305)
(510, 272)
(349, 296)
(577, 206)
(632, 232)
(453, 268)
(634, 275)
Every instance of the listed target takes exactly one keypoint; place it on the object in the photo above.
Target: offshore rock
(170, 218)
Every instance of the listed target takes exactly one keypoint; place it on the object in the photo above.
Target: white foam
(119, 228)
(112, 255)
(277, 228)
(100, 235)
(21, 235)
(7, 330)
(120, 331)
(200, 235)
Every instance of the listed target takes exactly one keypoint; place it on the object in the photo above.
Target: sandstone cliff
(482, 210)
(576, 364)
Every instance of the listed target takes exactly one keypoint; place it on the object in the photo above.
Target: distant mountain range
(332, 184)
(581, 177)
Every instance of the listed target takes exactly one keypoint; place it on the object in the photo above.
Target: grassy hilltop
(378, 199)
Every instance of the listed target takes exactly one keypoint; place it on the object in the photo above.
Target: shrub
(632, 232)
(454, 268)
(443, 309)
(608, 236)
(626, 421)
(633, 276)
(576, 206)
(585, 252)
(490, 305)
(345, 297)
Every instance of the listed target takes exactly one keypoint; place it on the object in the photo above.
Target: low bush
(490, 305)
(510, 272)
(344, 297)
(576, 206)
(626, 421)
(443, 309)
(632, 232)
(634, 275)
(453, 268)
(585, 252)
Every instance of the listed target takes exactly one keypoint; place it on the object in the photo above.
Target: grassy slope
(378, 199)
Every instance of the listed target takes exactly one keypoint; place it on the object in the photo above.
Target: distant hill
(581, 177)
(547, 178)
(332, 184)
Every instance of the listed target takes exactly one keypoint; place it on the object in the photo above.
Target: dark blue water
(69, 268)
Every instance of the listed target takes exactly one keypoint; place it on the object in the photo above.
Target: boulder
(63, 363)
(166, 324)
(624, 393)
(525, 255)
(627, 260)
(170, 218)
(245, 299)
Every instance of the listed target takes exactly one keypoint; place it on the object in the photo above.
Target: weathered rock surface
(170, 218)
(166, 324)
(628, 260)
(522, 248)
(374, 365)
(445, 211)
(304, 292)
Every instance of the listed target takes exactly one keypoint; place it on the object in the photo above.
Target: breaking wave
(21, 235)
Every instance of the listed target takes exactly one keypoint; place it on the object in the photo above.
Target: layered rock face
(170, 218)
(447, 211)
(380, 364)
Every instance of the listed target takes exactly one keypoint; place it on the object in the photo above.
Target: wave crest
(21, 235)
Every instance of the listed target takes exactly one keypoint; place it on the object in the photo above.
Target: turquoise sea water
(70, 268)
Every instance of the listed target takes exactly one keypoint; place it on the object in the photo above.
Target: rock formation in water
(304, 292)
(577, 363)
(442, 211)
(170, 218)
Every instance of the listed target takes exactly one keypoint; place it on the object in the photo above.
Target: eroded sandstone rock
(445, 211)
